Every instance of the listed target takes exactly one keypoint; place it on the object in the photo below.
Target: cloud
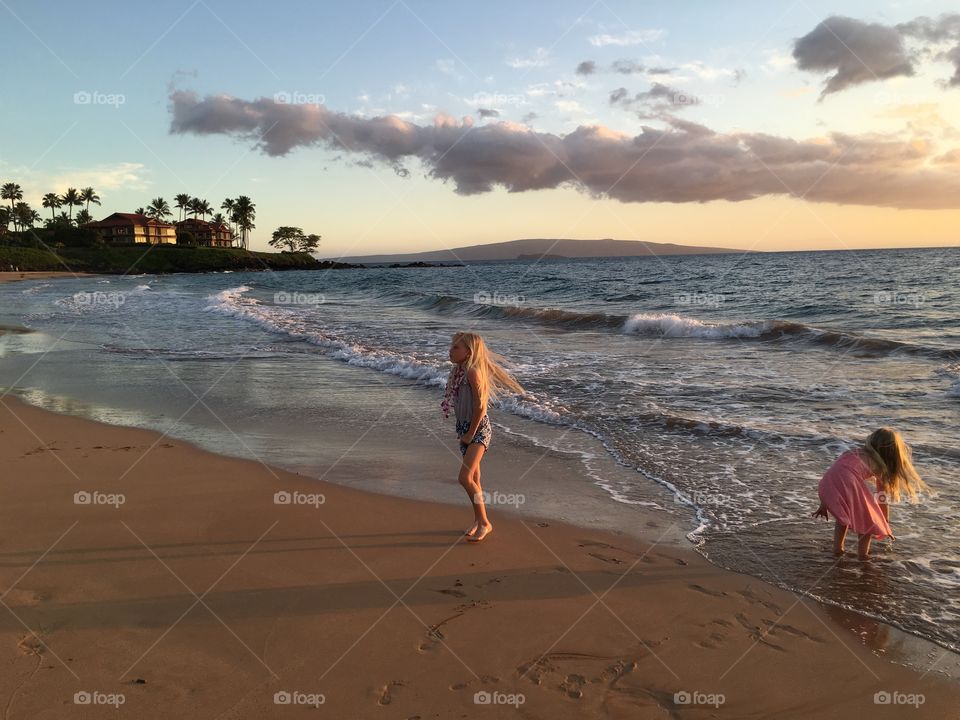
(683, 162)
(857, 52)
(709, 72)
(944, 30)
(539, 58)
(953, 56)
(587, 67)
(488, 112)
(568, 106)
(634, 37)
(628, 67)
(657, 102)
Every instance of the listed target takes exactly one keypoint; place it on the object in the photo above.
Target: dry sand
(198, 596)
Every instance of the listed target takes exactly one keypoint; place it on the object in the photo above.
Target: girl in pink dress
(886, 460)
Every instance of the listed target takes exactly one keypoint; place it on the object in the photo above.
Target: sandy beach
(11, 276)
(176, 583)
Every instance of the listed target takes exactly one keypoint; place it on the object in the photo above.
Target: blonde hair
(494, 379)
(892, 460)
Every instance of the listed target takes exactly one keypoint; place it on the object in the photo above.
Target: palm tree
(83, 217)
(89, 195)
(181, 202)
(244, 213)
(159, 208)
(52, 201)
(218, 219)
(5, 218)
(193, 207)
(12, 192)
(70, 198)
(205, 209)
(23, 215)
(227, 206)
(140, 211)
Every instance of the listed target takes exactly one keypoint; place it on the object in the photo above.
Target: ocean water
(720, 386)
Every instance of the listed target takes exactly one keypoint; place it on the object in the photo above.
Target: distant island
(545, 248)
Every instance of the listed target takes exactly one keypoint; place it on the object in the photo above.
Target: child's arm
(884, 505)
(882, 500)
(479, 410)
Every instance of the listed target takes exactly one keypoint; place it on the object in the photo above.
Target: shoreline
(18, 275)
(623, 624)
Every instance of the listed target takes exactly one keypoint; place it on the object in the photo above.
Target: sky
(413, 125)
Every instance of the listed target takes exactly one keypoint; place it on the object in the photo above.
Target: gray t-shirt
(464, 402)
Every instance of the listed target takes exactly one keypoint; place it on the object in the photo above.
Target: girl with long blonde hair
(844, 492)
(476, 378)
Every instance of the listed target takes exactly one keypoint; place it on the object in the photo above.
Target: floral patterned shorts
(483, 435)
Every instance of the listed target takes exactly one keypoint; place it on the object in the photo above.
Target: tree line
(238, 213)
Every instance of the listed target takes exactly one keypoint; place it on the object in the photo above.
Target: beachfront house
(134, 229)
(205, 234)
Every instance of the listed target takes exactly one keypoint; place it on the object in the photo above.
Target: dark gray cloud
(683, 162)
(623, 66)
(619, 96)
(854, 51)
(628, 67)
(857, 52)
(660, 100)
(944, 30)
(488, 112)
(587, 67)
(953, 55)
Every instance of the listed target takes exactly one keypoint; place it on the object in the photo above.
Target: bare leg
(839, 535)
(470, 481)
(863, 546)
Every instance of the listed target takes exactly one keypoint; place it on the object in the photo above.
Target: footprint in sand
(757, 633)
(591, 670)
(41, 449)
(755, 599)
(717, 637)
(452, 591)
(435, 634)
(706, 591)
(484, 680)
(30, 645)
(386, 694)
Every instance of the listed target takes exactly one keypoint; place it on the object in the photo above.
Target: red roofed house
(205, 233)
(133, 228)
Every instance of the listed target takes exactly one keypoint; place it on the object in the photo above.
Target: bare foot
(472, 530)
(481, 533)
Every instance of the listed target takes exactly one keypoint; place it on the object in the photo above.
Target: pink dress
(849, 498)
